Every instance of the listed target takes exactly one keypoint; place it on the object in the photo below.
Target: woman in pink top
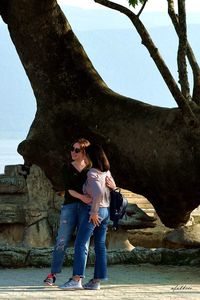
(95, 221)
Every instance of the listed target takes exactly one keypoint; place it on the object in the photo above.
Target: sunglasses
(76, 150)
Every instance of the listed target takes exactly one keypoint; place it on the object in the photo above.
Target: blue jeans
(85, 231)
(70, 218)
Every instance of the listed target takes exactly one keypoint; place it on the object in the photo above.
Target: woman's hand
(86, 199)
(95, 219)
(110, 183)
(60, 193)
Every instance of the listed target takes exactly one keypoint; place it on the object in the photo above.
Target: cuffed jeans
(86, 229)
(70, 218)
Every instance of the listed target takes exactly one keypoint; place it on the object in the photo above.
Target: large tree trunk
(151, 149)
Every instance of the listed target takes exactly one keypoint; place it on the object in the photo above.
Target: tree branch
(182, 48)
(142, 8)
(4, 7)
(181, 101)
(190, 54)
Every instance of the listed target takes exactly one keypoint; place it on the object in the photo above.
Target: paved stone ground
(125, 282)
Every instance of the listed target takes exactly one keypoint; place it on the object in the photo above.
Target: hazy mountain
(17, 104)
(117, 54)
(83, 19)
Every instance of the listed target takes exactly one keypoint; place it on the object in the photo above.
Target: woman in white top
(95, 221)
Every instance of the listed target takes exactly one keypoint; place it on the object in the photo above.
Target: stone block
(184, 237)
(11, 213)
(13, 257)
(11, 234)
(38, 235)
(12, 185)
(12, 170)
(15, 199)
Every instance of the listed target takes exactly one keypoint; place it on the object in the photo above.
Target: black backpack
(118, 205)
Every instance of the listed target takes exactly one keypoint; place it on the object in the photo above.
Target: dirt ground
(125, 282)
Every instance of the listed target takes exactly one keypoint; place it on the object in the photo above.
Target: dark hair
(97, 157)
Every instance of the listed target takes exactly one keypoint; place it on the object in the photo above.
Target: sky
(152, 5)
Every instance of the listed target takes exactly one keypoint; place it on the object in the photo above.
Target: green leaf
(134, 3)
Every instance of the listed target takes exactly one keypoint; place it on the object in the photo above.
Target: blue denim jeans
(70, 218)
(86, 229)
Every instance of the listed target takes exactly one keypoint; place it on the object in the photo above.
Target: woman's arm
(86, 199)
(96, 193)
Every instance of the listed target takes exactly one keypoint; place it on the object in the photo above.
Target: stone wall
(160, 236)
(30, 208)
(17, 257)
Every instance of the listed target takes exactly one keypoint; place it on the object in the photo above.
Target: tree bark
(152, 151)
(182, 51)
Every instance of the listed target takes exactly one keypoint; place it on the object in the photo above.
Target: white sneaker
(92, 285)
(71, 285)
